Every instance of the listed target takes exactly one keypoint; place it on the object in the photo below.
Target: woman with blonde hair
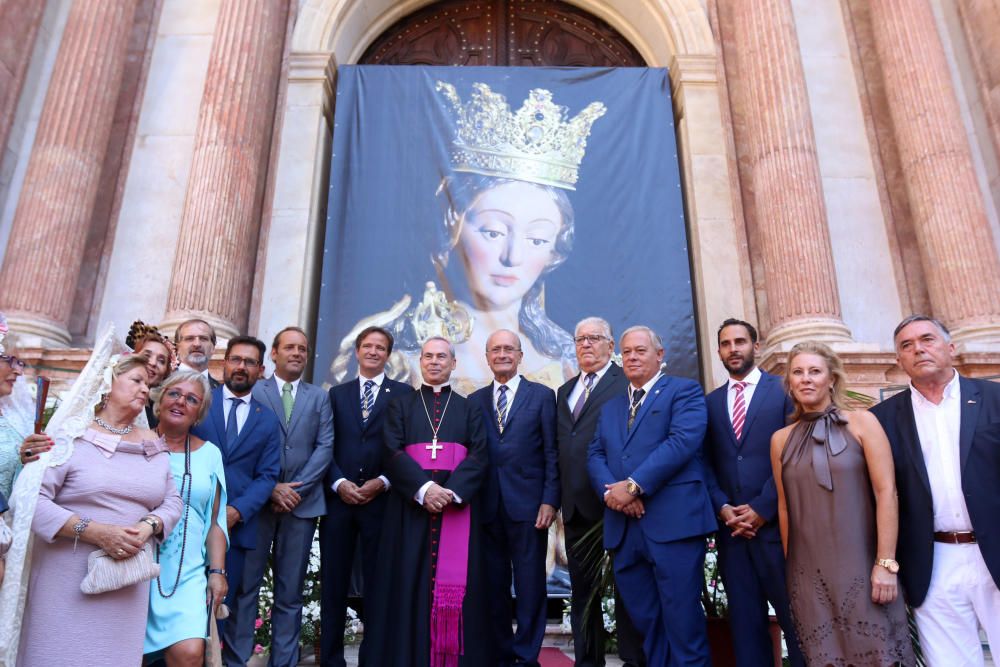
(838, 518)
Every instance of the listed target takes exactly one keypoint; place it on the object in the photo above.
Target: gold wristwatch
(888, 564)
(632, 488)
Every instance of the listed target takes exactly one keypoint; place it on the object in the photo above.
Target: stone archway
(672, 34)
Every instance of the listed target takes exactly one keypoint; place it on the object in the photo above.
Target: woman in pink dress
(114, 492)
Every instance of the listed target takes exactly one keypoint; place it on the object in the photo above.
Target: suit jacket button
(739, 458)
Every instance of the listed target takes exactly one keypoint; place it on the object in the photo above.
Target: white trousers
(961, 598)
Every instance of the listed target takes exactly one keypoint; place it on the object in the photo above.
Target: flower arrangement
(713, 592)
(310, 608)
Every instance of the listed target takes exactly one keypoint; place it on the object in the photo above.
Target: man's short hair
(917, 317)
(451, 346)
(246, 340)
(194, 320)
(367, 331)
(277, 336)
(598, 322)
(653, 336)
(732, 322)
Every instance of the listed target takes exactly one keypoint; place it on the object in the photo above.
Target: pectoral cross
(433, 448)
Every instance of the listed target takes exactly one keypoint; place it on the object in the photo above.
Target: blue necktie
(366, 401)
(502, 407)
(232, 429)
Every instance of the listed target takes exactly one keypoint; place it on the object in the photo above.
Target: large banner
(469, 199)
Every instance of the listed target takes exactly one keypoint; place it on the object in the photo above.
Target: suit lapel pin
(387, 390)
(971, 402)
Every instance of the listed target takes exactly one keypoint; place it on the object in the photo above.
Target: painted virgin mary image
(508, 221)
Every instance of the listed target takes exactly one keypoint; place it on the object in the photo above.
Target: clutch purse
(213, 652)
(104, 573)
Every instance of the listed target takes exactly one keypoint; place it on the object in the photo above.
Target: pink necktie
(739, 409)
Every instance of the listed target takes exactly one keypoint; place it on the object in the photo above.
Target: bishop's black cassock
(400, 621)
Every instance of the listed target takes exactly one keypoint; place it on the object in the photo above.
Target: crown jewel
(537, 143)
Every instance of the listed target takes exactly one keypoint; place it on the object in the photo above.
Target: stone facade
(839, 161)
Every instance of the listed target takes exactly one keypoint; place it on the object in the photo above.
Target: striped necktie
(502, 407)
(739, 409)
(636, 402)
(367, 398)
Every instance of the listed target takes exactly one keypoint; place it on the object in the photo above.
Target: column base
(821, 329)
(976, 336)
(30, 330)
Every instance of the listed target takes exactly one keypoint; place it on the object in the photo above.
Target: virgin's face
(507, 239)
(130, 390)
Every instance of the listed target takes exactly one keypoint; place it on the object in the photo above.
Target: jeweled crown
(537, 143)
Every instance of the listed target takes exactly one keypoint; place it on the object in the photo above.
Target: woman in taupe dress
(838, 518)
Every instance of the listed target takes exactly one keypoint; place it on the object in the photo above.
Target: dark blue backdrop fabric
(627, 258)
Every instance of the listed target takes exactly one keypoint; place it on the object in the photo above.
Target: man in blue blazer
(355, 488)
(520, 497)
(249, 436)
(645, 461)
(743, 414)
(944, 430)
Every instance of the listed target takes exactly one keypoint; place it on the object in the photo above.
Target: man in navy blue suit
(520, 496)
(944, 430)
(743, 414)
(249, 436)
(355, 487)
(645, 461)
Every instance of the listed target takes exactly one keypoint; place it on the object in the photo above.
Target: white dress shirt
(581, 386)
(242, 408)
(752, 379)
(378, 380)
(938, 428)
(184, 367)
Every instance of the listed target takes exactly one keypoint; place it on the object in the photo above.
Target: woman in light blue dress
(192, 579)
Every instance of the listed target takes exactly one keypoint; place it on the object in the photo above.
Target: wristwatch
(216, 570)
(632, 488)
(888, 564)
(152, 522)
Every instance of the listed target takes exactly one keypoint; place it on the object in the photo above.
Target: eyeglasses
(236, 361)
(190, 399)
(506, 349)
(13, 362)
(593, 339)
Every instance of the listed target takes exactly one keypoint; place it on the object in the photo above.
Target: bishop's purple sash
(453, 558)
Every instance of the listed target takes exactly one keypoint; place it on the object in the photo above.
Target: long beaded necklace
(185, 482)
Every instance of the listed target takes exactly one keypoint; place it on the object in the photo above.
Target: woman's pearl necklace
(108, 427)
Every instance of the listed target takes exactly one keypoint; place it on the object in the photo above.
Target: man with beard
(249, 436)
(195, 340)
(430, 604)
(743, 414)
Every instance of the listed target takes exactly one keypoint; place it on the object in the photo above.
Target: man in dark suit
(520, 497)
(195, 340)
(355, 487)
(944, 430)
(287, 523)
(645, 460)
(743, 414)
(249, 436)
(578, 405)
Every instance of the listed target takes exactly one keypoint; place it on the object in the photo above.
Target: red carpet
(553, 657)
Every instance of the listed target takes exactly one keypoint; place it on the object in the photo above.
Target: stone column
(214, 267)
(790, 214)
(19, 23)
(956, 245)
(981, 24)
(49, 232)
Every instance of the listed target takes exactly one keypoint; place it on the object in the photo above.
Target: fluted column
(956, 245)
(214, 267)
(981, 24)
(790, 214)
(46, 244)
(19, 23)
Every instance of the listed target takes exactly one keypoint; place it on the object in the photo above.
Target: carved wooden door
(502, 32)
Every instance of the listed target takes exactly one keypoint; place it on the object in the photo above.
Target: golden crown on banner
(536, 144)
